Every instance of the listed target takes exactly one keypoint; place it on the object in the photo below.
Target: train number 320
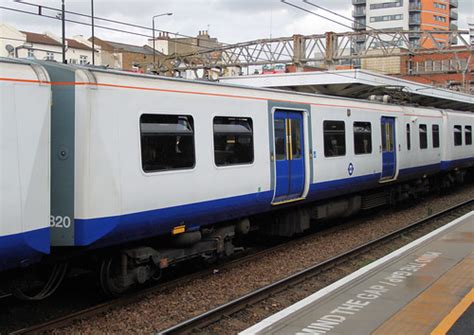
(60, 221)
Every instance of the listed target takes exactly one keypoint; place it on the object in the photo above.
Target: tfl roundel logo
(350, 169)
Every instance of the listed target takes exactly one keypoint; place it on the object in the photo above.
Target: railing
(453, 14)
(359, 25)
(414, 20)
(415, 6)
(358, 12)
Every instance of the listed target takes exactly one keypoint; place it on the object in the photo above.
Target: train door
(389, 159)
(289, 155)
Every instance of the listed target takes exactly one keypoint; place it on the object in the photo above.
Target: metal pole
(63, 18)
(93, 37)
(153, 28)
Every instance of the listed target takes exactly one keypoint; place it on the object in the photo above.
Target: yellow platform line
(450, 319)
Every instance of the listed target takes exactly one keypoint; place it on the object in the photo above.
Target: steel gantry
(328, 49)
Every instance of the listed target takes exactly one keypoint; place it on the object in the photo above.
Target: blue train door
(289, 155)
(389, 159)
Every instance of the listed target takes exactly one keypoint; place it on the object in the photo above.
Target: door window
(280, 134)
(295, 139)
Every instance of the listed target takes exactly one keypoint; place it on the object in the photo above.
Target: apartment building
(44, 46)
(412, 15)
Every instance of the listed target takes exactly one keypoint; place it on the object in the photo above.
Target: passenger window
(408, 137)
(334, 138)
(233, 140)
(457, 135)
(435, 130)
(167, 142)
(468, 135)
(295, 138)
(423, 136)
(362, 138)
(280, 134)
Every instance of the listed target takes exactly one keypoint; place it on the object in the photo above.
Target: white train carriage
(24, 164)
(135, 157)
(155, 156)
(458, 149)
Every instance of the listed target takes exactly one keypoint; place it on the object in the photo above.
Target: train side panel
(116, 198)
(24, 155)
(458, 129)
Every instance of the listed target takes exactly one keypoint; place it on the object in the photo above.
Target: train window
(423, 136)
(280, 135)
(408, 137)
(435, 131)
(468, 135)
(167, 142)
(233, 140)
(362, 138)
(334, 138)
(457, 135)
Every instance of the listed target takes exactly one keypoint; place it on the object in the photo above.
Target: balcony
(414, 19)
(415, 6)
(453, 3)
(453, 27)
(359, 25)
(358, 12)
(358, 2)
(453, 14)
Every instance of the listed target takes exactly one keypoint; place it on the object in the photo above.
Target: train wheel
(111, 279)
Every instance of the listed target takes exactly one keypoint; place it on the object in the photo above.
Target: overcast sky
(229, 20)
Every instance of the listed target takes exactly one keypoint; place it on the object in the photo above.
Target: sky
(230, 21)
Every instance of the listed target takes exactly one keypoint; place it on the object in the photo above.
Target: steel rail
(211, 316)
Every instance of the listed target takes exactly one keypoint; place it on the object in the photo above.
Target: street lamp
(153, 28)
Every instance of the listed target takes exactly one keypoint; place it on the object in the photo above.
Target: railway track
(198, 323)
(216, 314)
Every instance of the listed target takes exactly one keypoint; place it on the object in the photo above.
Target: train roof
(92, 69)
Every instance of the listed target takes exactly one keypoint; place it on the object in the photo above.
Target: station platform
(426, 287)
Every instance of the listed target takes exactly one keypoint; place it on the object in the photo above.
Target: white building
(47, 46)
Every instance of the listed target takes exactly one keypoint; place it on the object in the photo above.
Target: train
(137, 173)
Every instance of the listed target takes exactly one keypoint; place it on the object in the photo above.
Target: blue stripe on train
(459, 163)
(130, 227)
(23, 249)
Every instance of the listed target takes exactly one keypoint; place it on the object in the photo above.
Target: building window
(31, 53)
(386, 18)
(468, 135)
(457, 135)
(49, 56)
(440, 18)
(362, 138)
(439, 5)
(167, 142)
(435, 134)
(423, 136)
(334, 138)
(83, 60)
(408, 137)
(233, 141)
(398, 3)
